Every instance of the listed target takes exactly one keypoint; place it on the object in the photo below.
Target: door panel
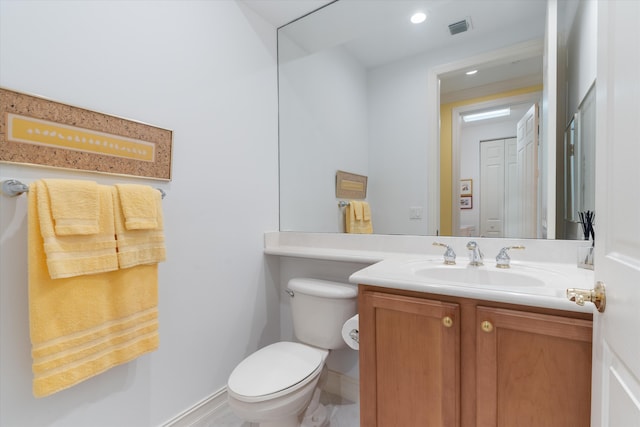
(616, 370)
(492, 194)
(511, 219)
(409, 361)
(527, 166)
(532, 369)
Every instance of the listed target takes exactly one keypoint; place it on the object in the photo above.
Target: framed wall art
(466, 187)
(466, 202)
(350, 185)
(39, 131)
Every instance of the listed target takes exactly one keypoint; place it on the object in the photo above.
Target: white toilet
(278, 385)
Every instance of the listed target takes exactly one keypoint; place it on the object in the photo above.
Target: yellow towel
(138, 206)
(136, 247)
(74, 206)
(82, 326)
(358, 218)
(75, 255)
(357, 209)
(366, 212)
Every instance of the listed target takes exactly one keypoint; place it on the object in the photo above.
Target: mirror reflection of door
(505, 192)
(527, 167)
(498, 188)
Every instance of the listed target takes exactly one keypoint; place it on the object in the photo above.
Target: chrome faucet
(476, 256)
(503, 260)
(449, 254)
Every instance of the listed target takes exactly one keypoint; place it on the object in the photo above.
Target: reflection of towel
(68, 256)
(366, 212)
(358, 218)
(357, 209)
(139, 206)
(143, 246)
(82, 326)
(74, 206)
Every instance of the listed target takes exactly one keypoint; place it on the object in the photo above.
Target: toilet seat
(275, 370)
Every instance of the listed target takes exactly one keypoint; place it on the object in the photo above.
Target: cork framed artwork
(42, 132)
(350, 185)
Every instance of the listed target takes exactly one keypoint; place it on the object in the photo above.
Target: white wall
(581, 45)
(577, 50)
(323, 101)
(207, 70)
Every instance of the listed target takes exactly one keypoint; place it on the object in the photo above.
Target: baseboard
(204, 410)
(342, 385)
(207, 409)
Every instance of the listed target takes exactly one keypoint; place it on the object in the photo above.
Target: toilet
(279, 385)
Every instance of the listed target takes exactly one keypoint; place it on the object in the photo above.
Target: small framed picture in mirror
(466, 202)
(350, 185)
(466, 187)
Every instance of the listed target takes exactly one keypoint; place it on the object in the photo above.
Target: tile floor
(344, 413)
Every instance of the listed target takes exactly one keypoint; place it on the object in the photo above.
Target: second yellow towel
(138, 246)
(358, 218)
(139, 206)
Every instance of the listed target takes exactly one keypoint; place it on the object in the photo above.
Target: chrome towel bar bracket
(13, 187)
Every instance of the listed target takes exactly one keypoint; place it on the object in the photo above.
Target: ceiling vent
(459, 27)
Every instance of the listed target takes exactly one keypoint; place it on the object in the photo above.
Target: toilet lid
(275, 368)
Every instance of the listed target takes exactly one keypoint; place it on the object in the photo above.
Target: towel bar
(13, 187)
(343, 204)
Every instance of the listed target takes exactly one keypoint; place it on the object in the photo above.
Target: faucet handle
(449, 254)
(503, 260)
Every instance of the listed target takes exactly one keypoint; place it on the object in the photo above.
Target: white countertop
(397, 273)
(390, 256)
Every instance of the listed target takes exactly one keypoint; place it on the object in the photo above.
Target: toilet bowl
(274, 385)
(278, 385)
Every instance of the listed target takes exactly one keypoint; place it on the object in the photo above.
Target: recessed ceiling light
(418, 17)
(471, 73)
(486, 115)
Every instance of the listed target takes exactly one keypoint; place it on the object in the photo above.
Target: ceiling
(281, 12)
(377, 32)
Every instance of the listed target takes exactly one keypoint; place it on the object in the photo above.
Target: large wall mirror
(464, 124)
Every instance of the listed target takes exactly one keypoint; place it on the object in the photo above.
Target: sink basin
(478, 276)
(530, 283)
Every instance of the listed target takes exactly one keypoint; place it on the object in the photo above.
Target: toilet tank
(319, 309)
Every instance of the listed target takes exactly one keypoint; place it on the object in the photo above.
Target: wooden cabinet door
(532, 369)
(409, 361)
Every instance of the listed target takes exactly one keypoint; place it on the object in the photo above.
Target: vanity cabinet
(432, 360)
(409, 352)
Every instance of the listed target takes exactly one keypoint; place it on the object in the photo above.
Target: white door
(492, 190)
(511, 219)
(616, 362)
(527, 158)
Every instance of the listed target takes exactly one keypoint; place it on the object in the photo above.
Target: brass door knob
(486, 326)
(447, 321)
(596, 296)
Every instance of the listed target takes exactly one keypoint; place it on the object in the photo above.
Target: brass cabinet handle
(486, 326)
(596, 295)
(447, 321)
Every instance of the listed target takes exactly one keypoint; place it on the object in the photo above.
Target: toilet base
(316, 413)
(289, 422)
(318, 418)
